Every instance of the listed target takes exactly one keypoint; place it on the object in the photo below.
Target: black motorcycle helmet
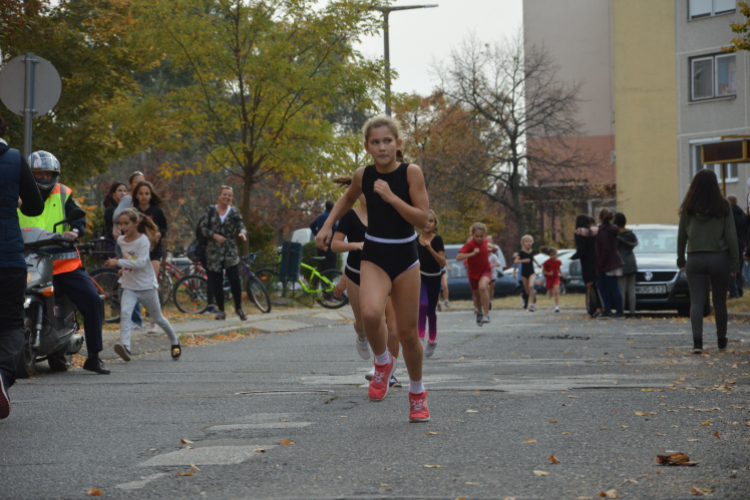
(42, 161)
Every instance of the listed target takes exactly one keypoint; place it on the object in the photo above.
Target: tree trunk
(245, 210)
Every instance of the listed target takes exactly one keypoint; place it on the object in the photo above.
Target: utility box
(291, 257)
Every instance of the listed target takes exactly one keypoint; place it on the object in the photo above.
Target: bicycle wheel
(107, 285)
(325, 297)
(191, 294)
(271, 283)
(258, 294)
(165, 288)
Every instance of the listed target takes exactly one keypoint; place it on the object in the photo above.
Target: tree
(529, 126)
(264, 75)
(85, 41)
(742, 29)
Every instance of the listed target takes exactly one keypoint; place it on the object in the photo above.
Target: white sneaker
(137, 328)
(486, 318)
(152, 329)
(447, 303)
(363, 348)
(430, 350)
(370, 374)
(480, 321)
(557, 309)
(532, 308)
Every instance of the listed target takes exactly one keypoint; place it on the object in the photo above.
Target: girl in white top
(138, 280)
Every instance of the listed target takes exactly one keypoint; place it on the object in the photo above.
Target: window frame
(713, 12)
(695, 161)
(714, 77)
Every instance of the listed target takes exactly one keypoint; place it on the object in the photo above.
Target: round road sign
(47, 85)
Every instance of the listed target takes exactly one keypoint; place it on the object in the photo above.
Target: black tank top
(384, 221)
(350, 225)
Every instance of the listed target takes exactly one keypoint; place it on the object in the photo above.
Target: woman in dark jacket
(609, 264)
(117, 191)
(586, 252)
(626, 242)
(16, 180)
(707, 230)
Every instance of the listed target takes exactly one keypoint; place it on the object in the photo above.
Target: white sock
(416, 387)
(382, 359)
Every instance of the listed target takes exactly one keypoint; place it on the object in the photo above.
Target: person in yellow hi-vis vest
(69, 275)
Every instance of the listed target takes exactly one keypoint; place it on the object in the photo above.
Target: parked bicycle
(319, 286)
(191, 291)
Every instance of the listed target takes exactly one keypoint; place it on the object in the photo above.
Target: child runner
(528, 275)
(476, 254)
(431, 261)
(396, 202)
(444, 284)
(353, 226)
(552, 274)
(496, 266)
(138, 280)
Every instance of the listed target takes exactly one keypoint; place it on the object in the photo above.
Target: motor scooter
(50, 323)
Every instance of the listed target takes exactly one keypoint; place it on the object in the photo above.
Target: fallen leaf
(189, 448)
(344, 416)
(259, 450)
(478, 392)
(554, 459)
(674, 459)
(433, 466)
(94, 492)
(432, 433)
(185, 441)
(153, 449)
(553, 421)
(657, 434)
(584, 498)
(693, 439)
(609, 494)
(630, 481)
(647, 390)
(195, 468)
(541, 473)
(716, 435)
(640, 413)
(706, 423)
(621, 356)
(696, 491)
(530, 441)
(462, 358)
(631, 341)
(566, 432)
(472, 411)
(572, 397)
(286, 441)
(184, 473)
(476, 484)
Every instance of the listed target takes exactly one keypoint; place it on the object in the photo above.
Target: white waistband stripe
(390, 241)
(352, 269)
(431, 274)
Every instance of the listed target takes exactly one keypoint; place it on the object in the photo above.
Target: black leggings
(216, 280)
(702, 267)
(12, 295)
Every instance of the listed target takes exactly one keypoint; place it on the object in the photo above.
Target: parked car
(458, 280)
(659, 284)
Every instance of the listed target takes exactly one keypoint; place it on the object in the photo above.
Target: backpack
(196, 251)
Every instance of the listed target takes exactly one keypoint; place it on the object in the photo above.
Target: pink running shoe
(418, 404)
(380, 381)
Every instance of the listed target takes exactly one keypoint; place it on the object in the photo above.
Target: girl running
(353, 226)
(138, 280)
(528, 275)
(476, 254)
(552, 275)
(431, 261)
(396, 202)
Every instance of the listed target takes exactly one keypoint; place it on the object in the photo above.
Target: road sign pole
(28, 112)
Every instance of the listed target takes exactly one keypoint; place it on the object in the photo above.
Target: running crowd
(393, 275)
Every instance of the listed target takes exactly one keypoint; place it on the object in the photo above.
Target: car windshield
(457, 269)
(656, 241)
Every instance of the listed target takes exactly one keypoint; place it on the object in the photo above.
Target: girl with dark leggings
(707, 230)
(396, 202)
(431, 262)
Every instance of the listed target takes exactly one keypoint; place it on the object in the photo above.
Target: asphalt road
(603, 397)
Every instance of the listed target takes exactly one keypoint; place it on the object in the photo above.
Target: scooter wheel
(60, 360)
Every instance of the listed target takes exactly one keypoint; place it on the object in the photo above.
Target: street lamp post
(386, 11)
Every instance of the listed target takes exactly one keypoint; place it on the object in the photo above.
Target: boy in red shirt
(552, 274)
(475, 252)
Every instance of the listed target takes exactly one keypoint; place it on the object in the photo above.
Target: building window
(713, 77)
(699, 9)
(732, 172)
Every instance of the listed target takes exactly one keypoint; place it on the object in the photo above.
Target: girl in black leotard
(396, 202)
(353, 226)
(528, 274)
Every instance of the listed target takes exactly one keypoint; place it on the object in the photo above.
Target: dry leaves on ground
(185, 441)
(553, 421)
(674, 459)
(716, 435)
(259, 450)
(541, 473)
(184, 473)
(706, 423)
(229, 337)
(554, 459)
(195, 468)
(528, 441)
(609, 494)
(472, 411)
(94, 492)
(286, 442)
(433, 466)
(430, 433)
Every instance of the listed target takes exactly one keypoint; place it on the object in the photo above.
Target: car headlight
(33, 276)
(683, 274)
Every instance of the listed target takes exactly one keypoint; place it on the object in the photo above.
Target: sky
(421, 37)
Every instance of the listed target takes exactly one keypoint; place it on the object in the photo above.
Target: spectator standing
(626, 242)
(221, 224)
(330, 257)
(741, 225)
(117, 191)
(707, 230)
(609, 265)
(16, 181)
